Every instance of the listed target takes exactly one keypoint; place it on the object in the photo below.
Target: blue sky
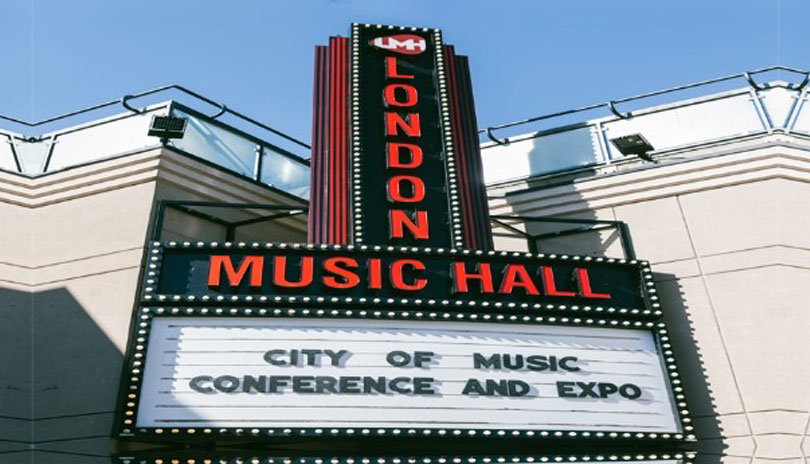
(527, 57)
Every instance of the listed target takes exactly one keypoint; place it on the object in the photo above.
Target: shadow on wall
(549, 152)
(711, 440)
(59, 377)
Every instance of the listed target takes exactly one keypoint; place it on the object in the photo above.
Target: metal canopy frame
(287, 211)
(188, 207)
(586, 225)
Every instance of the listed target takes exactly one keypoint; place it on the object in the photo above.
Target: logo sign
(451, 279)
(404, 180)
(407, 44)
(301, 374)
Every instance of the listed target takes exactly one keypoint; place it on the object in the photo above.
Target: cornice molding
(747, 164)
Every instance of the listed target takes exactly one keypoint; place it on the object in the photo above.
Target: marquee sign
(262, 372)
(358, 276)
(277, 373)
(398, 319)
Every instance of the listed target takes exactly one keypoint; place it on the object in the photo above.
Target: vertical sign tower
(395, 156)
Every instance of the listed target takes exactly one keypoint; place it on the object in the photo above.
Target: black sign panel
(404, 186)
(447, 279)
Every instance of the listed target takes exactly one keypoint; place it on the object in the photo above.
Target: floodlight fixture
(634, 144)
(167, 127)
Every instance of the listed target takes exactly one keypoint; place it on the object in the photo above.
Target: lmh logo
(407, 44)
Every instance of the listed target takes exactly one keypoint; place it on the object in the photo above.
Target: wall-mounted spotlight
(634, 144)
(167, 127)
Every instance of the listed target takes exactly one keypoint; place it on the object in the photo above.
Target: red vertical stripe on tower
(469, 126)
(339, 186)
(330, 187)
(472, 191)
(318, 156)
(329, 209)
(343, 142)
(470, 236)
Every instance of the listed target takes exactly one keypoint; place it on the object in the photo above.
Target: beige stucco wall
(727, 239)
(70, 260)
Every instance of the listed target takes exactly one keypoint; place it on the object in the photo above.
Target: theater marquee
(399, 319)
(363, 375)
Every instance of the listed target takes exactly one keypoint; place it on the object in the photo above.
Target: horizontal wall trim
(142, 166)
(666, 180)
(773, 255)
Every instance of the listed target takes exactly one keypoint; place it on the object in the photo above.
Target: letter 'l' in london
(429, 275)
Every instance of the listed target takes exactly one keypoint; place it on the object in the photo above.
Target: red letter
(549, 287)
(460, 276)
(393, 159)
(348, 278)
(396, 275)
(399, 218)
(279, 272)
(391, 69)
(374, 274)
(217, 263)
(395, 193)
(585, 286)
(410, 124)
(515, 275)
(390, 95)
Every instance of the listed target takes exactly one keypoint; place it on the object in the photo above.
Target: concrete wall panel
(765, 327)
(92, 225)
(738, 217)
(658, 231)
(16, 242)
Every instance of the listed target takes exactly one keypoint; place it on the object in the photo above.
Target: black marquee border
(126, 415)
(152, 276)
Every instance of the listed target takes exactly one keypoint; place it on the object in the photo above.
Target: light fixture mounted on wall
(634, 144)
(167, 127)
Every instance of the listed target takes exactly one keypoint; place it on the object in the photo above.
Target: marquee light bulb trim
(629, 458)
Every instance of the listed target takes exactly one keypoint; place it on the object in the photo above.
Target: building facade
(719, 214)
